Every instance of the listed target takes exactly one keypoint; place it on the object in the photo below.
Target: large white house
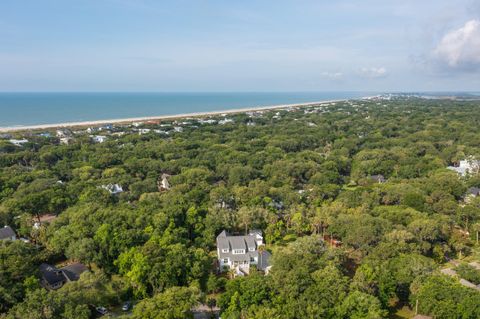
(239, 252)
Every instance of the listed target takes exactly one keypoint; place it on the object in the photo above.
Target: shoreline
(7, 129)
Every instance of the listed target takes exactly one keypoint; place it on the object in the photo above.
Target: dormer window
(239, 251)
(225, 250)
(251, 249)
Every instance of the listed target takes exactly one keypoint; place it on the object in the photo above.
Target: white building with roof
(240, 252)
(18, 142)
(99, 138)
(113, 188)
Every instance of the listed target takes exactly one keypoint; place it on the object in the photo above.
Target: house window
(252, 249)
(239, 251)
(252, 259)
(225, 250)
(225, 261)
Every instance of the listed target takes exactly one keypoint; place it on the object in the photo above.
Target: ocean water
(20, 109)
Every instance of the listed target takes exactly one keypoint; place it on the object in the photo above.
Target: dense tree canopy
(344, 245)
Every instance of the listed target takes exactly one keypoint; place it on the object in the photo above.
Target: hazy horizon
(214, 46)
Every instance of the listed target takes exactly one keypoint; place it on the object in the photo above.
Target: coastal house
(238, 253)
(45, 134)
(99, 138)
(7, 233)
(143, 131)
(209, 121)
(467, 166)
(63, 133)
(106, 127)
(225, 121)
(18, 142)
(66, 140)
(53, 278)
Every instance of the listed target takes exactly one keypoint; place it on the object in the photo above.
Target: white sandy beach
(161, 117)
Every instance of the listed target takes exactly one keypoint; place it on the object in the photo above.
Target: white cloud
(460, 49)
(333, 75)
(373, 72)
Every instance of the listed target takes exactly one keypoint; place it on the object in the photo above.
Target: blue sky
(248, 45)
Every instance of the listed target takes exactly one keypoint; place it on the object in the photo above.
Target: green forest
(344, 243)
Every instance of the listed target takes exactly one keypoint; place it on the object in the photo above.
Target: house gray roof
(51, 274)
(255, 232)
(473, 191)
(6, 233)
(73, 271)
(224, 241)
(248, 243)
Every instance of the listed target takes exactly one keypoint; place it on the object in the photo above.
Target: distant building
(18, 142)
(472, 192)
(225, 121)
(63, 133)
(7, 233)
(465, 167)
(45, 134)
(209, 121)
(238, 253)
(164, 185)
(99, 138)
(53, 278)
(107, 127)
(5, 136)
(378, 178)
(66, 140)
(143, 131)
(113, 188)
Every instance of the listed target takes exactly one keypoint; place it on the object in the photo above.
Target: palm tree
(231, 272)
(476, 229)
